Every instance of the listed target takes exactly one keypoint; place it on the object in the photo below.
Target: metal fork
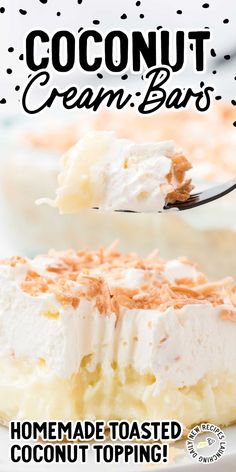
(206, 196)
(197, 199)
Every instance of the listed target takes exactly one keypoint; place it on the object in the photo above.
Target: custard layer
(29, 392)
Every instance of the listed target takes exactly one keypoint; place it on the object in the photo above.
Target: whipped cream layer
(116, 174)
(159, 318)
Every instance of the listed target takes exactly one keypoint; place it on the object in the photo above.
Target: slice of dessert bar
(102, 335)
(116, 174)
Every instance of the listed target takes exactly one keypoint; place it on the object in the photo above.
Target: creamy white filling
(178, 346)
(131, 176)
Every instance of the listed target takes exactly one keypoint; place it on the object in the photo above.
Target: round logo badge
(206, 443)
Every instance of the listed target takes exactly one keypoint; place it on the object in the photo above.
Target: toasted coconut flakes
(58, 268)
(13, 261)
(209, 287)
(187, 292)
(228, 315)
(85, 274)
(181, 193)
(184, 281)
(180, 166)
(178, 189)
(67, 300)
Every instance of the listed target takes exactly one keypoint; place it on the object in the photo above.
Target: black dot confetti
(123, 16)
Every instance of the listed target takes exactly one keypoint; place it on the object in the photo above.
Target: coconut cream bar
(105, 172)
(104, 335)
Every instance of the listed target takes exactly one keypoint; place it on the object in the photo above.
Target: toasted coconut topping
(13, 261)
(228, 314)
(178, 188)
(100, 275)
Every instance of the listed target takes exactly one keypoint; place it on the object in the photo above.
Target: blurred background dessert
(29, 171)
